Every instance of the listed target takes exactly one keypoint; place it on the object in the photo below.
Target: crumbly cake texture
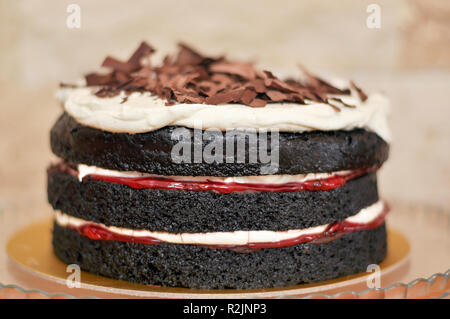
(188, 211)
(299, 153)
(175, 265)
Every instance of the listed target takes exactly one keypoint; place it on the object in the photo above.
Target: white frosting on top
(365, 216)
(142, 112)
(85, 170)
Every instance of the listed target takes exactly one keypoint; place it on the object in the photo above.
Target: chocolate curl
(142, 51)
(362, 95)
(320, 84)
(258, 103)
(258, 85)
(225, 97)
(248, 96)
(117, 65)
(95, 79)
(244, 70)
(188, 56)
(194, 78)
(276, 96)
(342, 102)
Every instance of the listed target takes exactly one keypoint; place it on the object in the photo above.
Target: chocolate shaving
(142, 51)
(248, 96)
(362, 95)
(117, 65)
(342, 102)
(244, 70)
(258, 85)
(226, 97)
(188, 56)
(191, 77)
(276, 96)
(95, 79)
(321, 85)
(67, 85)
(334, 107)
(124, 100)
(257, 103)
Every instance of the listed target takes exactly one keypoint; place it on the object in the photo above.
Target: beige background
(408, 58)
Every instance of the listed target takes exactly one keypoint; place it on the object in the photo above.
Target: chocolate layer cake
(203, 172)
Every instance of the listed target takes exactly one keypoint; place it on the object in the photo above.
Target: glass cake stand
(417, 266)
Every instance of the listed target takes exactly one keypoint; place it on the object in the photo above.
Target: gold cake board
(33, 261)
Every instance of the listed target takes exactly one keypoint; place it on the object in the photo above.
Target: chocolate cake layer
(174, 265)
(188, 211)
(315, 151)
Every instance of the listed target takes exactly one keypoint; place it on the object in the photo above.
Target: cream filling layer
(143, 112)
(85, 170)
(365, 216)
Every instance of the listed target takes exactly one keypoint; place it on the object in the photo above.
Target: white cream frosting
(365, 216)
(85, 170)
(142, 112)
